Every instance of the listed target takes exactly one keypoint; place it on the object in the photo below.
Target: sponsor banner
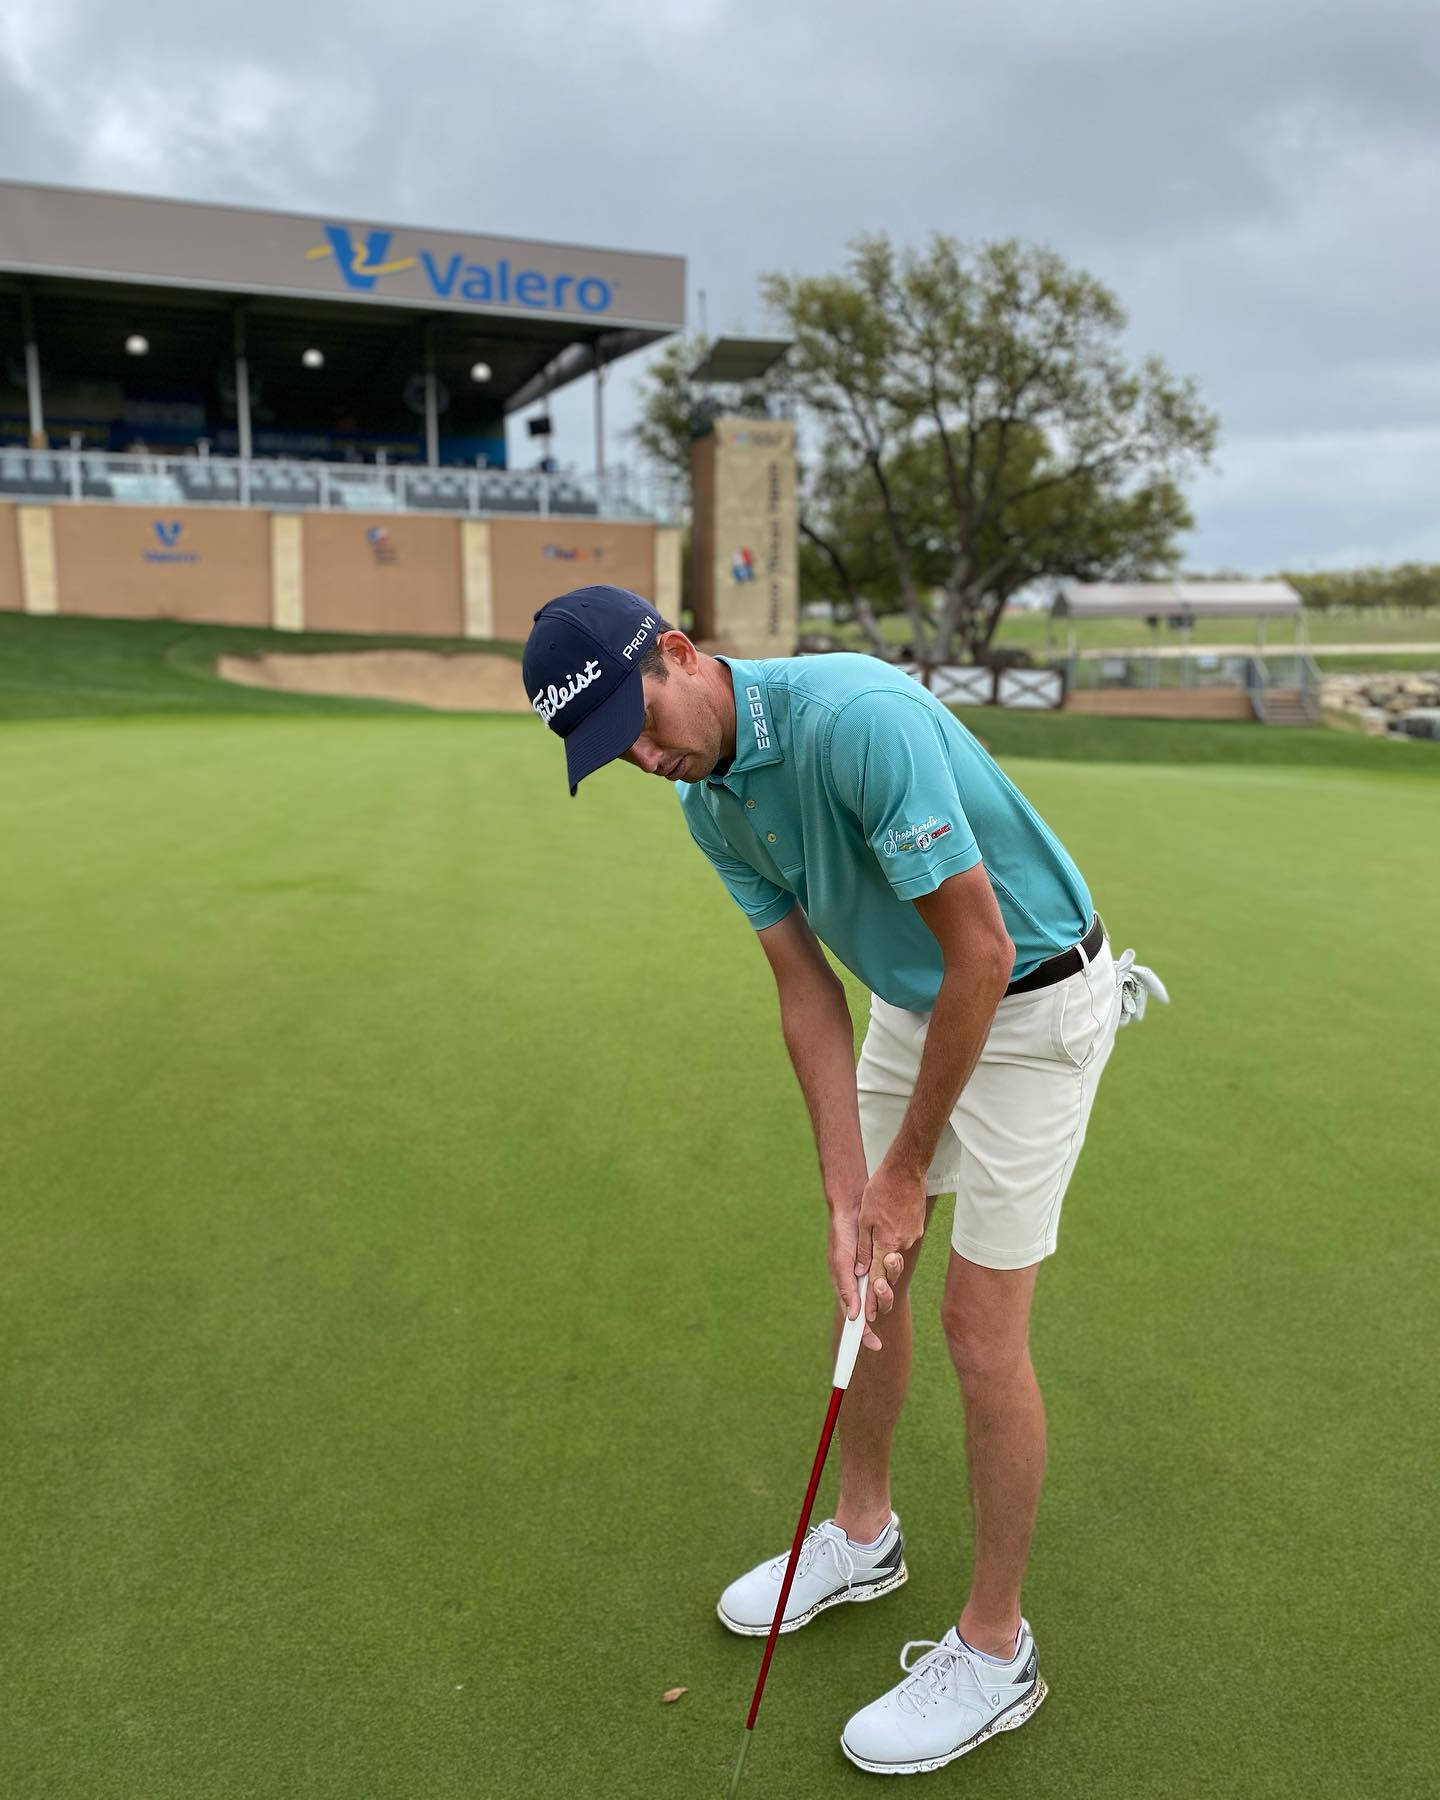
(179, 243)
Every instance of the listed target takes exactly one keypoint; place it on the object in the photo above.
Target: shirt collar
(757, 744)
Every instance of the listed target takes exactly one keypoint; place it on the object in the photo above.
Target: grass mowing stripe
(415, 1306)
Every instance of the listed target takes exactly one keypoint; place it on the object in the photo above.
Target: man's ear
(679, 652)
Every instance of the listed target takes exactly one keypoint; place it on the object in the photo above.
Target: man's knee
(985, 1314)
(985, 1351)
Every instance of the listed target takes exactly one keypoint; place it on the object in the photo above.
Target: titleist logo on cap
(552, 699)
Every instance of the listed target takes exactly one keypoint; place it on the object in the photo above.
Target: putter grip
(850, 1336)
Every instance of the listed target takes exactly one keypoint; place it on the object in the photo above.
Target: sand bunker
(459, 682)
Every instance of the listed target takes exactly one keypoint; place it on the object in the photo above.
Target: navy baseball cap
(582, 672)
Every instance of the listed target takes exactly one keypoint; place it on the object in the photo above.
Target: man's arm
(978, 955)
(819, 1034)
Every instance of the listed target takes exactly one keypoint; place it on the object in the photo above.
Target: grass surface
(413, 1309)
(1379, 662)
(1090, 737)
(1035, 630)
(65, 668)
(1039, 634)
(73, 667)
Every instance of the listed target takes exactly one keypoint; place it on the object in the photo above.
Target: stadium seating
(283, 484)
(28, 473)
(275, 482)
(207, 483)
(568, 497)
(441, 489)
(508, 493)
(144, 488)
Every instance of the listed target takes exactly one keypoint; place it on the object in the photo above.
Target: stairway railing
(1257, 679)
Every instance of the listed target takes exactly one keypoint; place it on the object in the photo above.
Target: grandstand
(131, 323)
(159, 354)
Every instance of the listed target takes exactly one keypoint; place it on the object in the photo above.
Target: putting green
(413, 1306)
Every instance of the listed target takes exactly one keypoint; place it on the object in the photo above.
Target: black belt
(1068, 962)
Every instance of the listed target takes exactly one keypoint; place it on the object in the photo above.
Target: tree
(980, 428)
(674, 408)
(1408, 587)
(847, 554)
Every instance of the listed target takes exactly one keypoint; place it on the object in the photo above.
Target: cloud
(1322, 500)
(1257, 184)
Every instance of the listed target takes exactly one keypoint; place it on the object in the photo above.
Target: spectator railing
(286, 485)
(1119, 669)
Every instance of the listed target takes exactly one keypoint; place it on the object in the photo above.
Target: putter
(850, 1337)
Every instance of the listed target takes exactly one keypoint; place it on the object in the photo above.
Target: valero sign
(364, 258)
(167, 537)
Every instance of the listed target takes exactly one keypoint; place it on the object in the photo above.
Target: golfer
(842, 805)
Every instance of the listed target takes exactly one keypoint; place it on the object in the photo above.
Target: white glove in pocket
(1136, 984)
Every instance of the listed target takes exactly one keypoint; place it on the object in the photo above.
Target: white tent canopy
(1186, 600)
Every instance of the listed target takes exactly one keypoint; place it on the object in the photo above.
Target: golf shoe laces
(930, 1678)
(815, 1542)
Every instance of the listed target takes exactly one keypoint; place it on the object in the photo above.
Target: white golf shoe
(950, 1701)
(831, 1571)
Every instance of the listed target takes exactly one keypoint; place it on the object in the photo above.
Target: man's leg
(986, 1316)
(872, 1406)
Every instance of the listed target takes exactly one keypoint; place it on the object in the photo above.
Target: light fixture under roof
(313, 359)
(135, 345)
(480, 371)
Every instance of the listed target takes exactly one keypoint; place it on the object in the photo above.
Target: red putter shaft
(831, 1415)
(850, 1339)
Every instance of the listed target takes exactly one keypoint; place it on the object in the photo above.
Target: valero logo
(167, 535)
(361, 268)
(365, 259)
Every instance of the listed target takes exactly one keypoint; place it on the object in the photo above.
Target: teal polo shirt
(854, 791)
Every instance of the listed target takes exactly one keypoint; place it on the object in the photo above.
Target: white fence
(963, 684)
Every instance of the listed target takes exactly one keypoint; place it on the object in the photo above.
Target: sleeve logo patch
(902, 838)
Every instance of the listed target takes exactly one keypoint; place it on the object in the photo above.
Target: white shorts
(1016, 1131)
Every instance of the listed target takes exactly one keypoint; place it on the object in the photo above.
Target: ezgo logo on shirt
(758, 719)
(900, 838)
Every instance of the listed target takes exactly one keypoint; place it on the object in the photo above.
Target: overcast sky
(1260, 184)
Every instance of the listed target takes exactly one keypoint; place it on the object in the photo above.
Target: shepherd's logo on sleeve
(902, 838)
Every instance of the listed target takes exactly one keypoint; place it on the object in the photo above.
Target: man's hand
(841, 1257)
(892, 1222)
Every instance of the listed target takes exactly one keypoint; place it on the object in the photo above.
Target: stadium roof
(1176, 599)
(539, 313)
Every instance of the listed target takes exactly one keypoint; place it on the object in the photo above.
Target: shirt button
(770, 837)
(749, 806)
